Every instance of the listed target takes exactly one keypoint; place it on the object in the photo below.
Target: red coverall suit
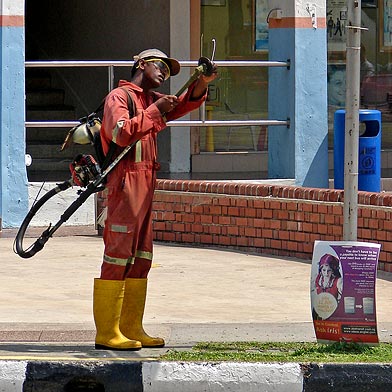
(128, 227)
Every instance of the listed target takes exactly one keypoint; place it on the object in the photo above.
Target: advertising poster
(386, 8)
(261, 25)
(336, 24)
(342, 290)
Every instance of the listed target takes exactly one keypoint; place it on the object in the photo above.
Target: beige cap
(173, 64)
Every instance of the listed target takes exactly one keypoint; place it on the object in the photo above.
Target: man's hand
(204, 80)
(208, 79)
(166, 103)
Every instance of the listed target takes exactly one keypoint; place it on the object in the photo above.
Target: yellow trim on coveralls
(118, 260)
(118, 126)
(131, 260)
(138, 151)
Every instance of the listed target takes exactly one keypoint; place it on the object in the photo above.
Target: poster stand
(342, 290)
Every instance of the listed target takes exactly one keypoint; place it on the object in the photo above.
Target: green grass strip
(284, 352)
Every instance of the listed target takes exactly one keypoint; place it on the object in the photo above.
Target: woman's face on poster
(326, 271)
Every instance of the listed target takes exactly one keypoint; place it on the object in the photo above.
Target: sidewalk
(195, 294)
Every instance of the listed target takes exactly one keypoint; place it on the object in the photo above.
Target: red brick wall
(270, 219)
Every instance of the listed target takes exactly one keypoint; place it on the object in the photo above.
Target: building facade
(242, 30)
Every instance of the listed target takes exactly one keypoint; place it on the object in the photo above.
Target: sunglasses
(161, 65)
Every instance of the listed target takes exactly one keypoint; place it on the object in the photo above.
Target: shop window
(243, 92)
(376, 69)
(239, 92)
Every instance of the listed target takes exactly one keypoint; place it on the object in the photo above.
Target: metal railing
(182, 123)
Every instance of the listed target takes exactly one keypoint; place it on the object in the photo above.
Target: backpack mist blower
(86, 171)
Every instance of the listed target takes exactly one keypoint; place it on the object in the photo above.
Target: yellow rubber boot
(131, 321)
(108, 299)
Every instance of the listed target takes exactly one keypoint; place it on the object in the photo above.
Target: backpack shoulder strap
(112, 145)
(131, 103)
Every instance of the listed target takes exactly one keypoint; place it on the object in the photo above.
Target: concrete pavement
(195, 294)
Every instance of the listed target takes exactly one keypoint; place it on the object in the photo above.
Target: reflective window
(241, 33)
(376, 70)
(240, 30)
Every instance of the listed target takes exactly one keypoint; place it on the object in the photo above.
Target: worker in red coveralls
(120, 292)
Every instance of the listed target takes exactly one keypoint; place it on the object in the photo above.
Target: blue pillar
(13, 177)
(297, 31)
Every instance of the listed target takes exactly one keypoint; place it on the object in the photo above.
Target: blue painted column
(13, 177)
(297, 31)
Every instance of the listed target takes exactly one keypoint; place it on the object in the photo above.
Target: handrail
(192, 123)
(196, 123)
(119, 63)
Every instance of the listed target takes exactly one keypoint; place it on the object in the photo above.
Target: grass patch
(284, 352)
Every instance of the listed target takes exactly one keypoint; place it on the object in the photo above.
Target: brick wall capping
(264, 189)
